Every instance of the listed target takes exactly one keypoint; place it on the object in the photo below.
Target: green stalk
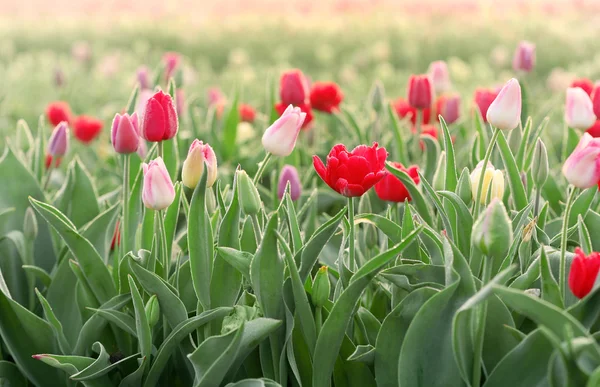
(351, 237)
(318, 319)
(125, 218)
(161, 150)
(261, 168)
(563, 243)
(163, 244)
(478, 344)
(486, 160)
(417, 139)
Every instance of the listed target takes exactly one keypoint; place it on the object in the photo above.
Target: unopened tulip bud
(321, 287)
(582, 167)
(59, 140)
(158, 192)
(440, 76)
(30, 225)
(492, 232)
(505, 112)
(463, 189)
(293, 88)
(579, 110)
(160, 118)
(193, 166)
(125, 133)
(448, 106)
(143, 77)
(377, 96)
(493, 180)
(280, 138)
(247, 193)
(439, 178)
(152, 311)
(524, 58)
(289, 174)
(539, 166)
(420, 91)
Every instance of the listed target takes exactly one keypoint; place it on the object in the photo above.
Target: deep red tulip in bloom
(583, 273)
(160, 118)
(305, 108)
(57, 112)
(483, 99)
(247, 113)
(390, 188)
(594, 130)
(420, 91)
(448, 106)
(86, 128)
(326, 96)
(293, 88)
(585, 84)
(352, 173)
(404, 110)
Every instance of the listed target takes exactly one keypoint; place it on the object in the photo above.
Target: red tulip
(247, 113)
(596, 99)
(483, 99)
(57, 112)
(583, 272)
(280, 107)
(420, 91)
(448, 106)
(326, 96)
(585, 84)
(390, 188)
(293, 88)
(594, 130)
(352, 173)
(160, 118)
(404, 110)
(427, 129)
(86, 128)
(116, 239)
(51, 159)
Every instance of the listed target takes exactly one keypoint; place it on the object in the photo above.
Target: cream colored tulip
(493, 179)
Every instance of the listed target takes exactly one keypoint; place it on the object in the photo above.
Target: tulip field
(348, 195)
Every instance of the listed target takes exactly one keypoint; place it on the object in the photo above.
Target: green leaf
(10, 375)
(64, 345)
(417, 197)
(132, 102)
(451, 174)
(172, 217)
(401, 153)
(293, 226)
(514, 177)
(144, 332)
(240, 260)
(582, 204)
(432, 151)
(550, 289)
(230, 129)
(120, 319)
(392, 230)
(584, 236)
(135, 379)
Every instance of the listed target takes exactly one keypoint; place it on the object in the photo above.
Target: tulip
(59, 140)
(293, 88)
(596, 99)
(280, 138)
(179, 102)
(171, 61)
(326, 97)
(448, 106)
(493, 180)
(524, 57)
(585, 84)
(125, 133)
(377, 96)
(142, 101)
(492, 232)
(30, 225)
(215, 96)
(420, 91)
(579, 110)
(143, 77)
(440, 76)
(158, 192)
(142, 149)
(247, 113)
(505, 112)
(390, 188)
(582, 167)
(193, 166)
(160, 118)
(321, 287)
(404, 110)
(52, 161)
(58, 112)
(483, 99)
(594, 130)
(583, 272)
(289, 174)
(305, 108)
(81, 51)
(248, 195)
(86, 128)
(539, 165)
(352, 173)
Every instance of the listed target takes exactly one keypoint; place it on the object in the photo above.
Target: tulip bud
(152, 311)
(248, 194)
(524, 58)
(215, 96)
(59, 140)
(293, 88)
(463, 189)
(439, 178)
(193, 166)
(171, 61)
(582, 167)
(280, 138)
(377, 96)
(158, 192)
(321, 287)
(289, 174)
(125, 133)
(579, 110)
(30, 226)
(143, 77)
(493, 180)
(492, 232)
(448, 106)
(440, 76)
(505, 112)
(583, 272)
(160, 118)
(539, 166)
(420, 91)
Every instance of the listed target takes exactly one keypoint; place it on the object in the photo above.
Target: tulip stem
(124, 239)
(161, 150)
(48, 174)
(480, 333)
(563, 243)
(417, 139)
(351, 237)
(257, 230)
(486, 160)
(318, 319)
(163, 244)
(261, 168)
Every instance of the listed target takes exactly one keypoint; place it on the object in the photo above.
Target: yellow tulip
(493, 180)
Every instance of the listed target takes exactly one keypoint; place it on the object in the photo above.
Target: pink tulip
(160, 118)
(440, 76)
(505, 111)
(143, 77)
(448, 106)
(524, 58)
(293, 88)
(125, 133)
(420, 91)
(179, 101)
(59, 140)
(158, 192)
(582, 167)
(579, 111)
(289, 174)
(193, 166)
(171, 61)
(280, 138)
(215, 96)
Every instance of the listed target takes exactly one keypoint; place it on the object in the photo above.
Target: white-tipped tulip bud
(158, 192)
(505, 111)
(280, 138)
(579, 109)
(193, 166)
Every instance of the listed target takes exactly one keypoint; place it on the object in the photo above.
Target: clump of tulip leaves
(246, 299)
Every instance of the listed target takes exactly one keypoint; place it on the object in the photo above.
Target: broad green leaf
(417, 197)
(514, 177)
(451, 174)
(59, 335)
(171, 218)
(10, 375)
(142, 327)
(432, 151)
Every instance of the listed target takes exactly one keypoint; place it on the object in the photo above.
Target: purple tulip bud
(59, 141)
(289, 174)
